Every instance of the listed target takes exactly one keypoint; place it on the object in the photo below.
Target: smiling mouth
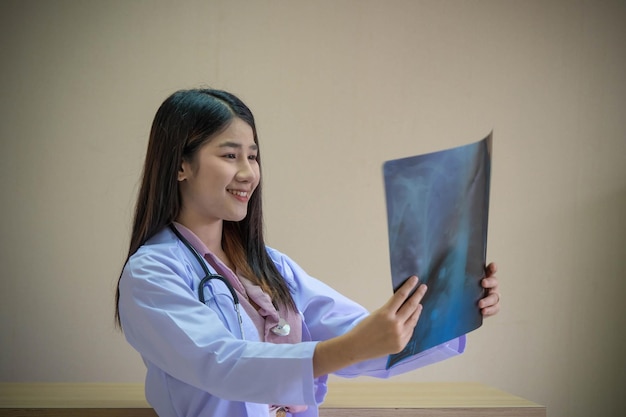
(242, 194)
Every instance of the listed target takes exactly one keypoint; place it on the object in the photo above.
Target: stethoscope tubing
(208, 276)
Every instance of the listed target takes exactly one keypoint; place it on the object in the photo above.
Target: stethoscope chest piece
(282, 328)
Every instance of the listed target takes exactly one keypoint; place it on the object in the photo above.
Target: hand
(490, 304)
(388, 329)
(385, 331)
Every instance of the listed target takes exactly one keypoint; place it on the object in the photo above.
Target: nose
(248, 171)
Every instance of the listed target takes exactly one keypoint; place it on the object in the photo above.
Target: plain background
(337, 88)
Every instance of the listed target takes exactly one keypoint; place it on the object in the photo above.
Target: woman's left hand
(490, 304)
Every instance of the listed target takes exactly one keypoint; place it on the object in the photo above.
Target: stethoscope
(282, 329)
(208, 276)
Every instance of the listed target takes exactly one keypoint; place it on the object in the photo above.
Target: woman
(201, 195)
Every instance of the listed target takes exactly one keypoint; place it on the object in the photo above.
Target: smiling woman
(199, 217)
(217, 183)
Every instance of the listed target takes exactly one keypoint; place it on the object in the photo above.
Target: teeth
(238, 193)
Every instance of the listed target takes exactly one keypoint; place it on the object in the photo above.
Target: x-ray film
(437, 214)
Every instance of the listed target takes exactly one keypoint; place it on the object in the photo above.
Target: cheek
(258, 177)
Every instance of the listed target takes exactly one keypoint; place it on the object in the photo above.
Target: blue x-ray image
(437, 215)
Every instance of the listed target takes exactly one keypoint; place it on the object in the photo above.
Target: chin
(237, 218)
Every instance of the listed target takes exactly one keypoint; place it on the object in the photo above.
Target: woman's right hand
(385, 331)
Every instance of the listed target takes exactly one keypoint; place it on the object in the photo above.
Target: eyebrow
(229, 144)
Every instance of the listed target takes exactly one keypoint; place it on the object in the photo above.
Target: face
(218, 183)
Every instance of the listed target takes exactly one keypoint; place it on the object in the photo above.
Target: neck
(210, 233)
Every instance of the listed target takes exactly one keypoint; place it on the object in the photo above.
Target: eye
(253, 157)
(230, 156)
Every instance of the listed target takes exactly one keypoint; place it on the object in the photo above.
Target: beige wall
(337, 88)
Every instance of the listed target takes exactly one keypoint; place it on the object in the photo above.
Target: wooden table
(362, 399)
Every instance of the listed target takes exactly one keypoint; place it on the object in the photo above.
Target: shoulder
(162, 245)
(286, 266)
(279, 258)
(162, 252)
(274, 254)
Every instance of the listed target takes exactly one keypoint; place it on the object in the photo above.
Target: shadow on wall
(598, 313)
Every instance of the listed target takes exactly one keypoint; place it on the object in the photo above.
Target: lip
(241, 195)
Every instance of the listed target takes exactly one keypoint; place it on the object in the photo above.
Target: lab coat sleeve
(163, 320)
(328, 314)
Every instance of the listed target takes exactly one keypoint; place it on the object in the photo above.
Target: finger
(490, 311)
(492, 299)
(412, 303)
(408, 328)
(401, 294)
(490, 283)
(414, 318)
(491, 269)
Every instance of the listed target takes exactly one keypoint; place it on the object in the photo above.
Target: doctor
(225, 325)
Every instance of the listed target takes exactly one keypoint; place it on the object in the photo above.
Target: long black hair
(185, 121)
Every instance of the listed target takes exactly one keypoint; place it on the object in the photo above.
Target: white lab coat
(197, 363)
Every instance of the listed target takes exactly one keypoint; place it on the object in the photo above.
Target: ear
(183, 171)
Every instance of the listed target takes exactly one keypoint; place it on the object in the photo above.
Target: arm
(385, 331)
(328, 315)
